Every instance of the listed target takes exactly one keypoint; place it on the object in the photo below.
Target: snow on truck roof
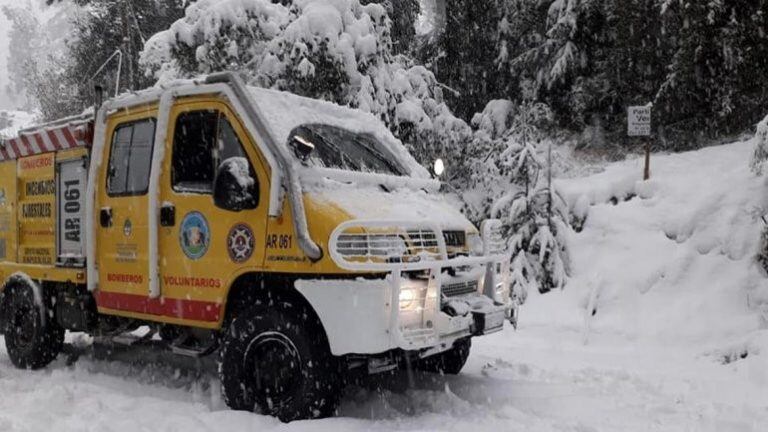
(284, 111)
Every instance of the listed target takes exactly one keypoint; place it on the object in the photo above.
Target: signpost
(639, 125)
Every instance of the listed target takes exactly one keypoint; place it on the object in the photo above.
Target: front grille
(422, 239)
(455, 238)
(460, 288)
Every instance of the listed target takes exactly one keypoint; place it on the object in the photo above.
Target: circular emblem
(194, 235)
(240, 243)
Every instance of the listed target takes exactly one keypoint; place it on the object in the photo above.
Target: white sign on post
(639, 121)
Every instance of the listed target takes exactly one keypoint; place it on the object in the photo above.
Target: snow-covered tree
(57, 61)
(340, 51)
(712, 84)
(760, 155)
(556, 53)
(404, 15)
(25, 45)
(37, 58)
(460, 51)
(511, 182)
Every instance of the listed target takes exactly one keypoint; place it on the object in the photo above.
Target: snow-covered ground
(676, 342)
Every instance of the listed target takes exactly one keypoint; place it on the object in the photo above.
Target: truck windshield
(339, 148)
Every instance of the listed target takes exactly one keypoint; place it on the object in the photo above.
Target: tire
(448, 362)
(33, 338)
(274, 361)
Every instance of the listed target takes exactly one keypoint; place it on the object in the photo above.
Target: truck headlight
(475, 243)
(412, 295)
(407, 297)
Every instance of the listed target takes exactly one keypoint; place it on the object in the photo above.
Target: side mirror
(302, 147)
(439, 167)
(235, 188)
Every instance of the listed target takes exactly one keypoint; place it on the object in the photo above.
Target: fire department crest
(194, 235)
(240, 243)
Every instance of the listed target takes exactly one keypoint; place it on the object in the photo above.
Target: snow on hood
(285, 111)
(373, 203)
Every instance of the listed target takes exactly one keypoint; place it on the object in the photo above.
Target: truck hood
(369, 202)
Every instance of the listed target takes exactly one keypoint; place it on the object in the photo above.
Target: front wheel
(32, 339)
(448, 362)
(273, 361)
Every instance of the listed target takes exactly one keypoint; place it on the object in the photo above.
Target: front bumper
(426, 301)
(364, 316)
(444, 317)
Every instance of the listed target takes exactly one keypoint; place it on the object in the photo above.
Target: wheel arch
(20, 279)
(255, 289)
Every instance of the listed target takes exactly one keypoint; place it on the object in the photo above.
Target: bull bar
(372, 246)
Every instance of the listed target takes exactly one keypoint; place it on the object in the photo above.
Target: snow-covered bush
(760, 156)
(509, 182)
(337, 50)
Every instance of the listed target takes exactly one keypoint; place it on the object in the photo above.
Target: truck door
(209, 236)
(122, 216)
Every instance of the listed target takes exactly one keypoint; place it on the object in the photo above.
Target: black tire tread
(448, 362)
(320, 394)
(49, 336)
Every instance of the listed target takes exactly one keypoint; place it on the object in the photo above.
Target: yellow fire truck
(294, 238)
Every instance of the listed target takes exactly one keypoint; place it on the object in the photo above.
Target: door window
(203, 143)
(193, 141)
(130, 158)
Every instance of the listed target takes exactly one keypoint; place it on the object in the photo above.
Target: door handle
(167, 215)
(105, 217)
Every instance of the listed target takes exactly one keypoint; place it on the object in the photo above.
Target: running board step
(196, 352)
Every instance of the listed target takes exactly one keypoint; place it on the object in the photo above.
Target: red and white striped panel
(46, 140)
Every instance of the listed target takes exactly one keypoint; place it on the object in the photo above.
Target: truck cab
(295, 239)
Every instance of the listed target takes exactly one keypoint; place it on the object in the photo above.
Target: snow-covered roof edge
(284, 111)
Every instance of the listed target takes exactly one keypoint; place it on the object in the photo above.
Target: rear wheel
(274, 362)
(448, 362)
(32, 337)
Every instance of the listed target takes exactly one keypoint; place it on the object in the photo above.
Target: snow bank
(673, 264)
(495, 119)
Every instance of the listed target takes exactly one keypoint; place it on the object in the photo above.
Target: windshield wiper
(342, 156)
(377, 154)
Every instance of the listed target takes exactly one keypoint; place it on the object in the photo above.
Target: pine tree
(513, 184)
(712, 82)
(461, 54)
(403, 14)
